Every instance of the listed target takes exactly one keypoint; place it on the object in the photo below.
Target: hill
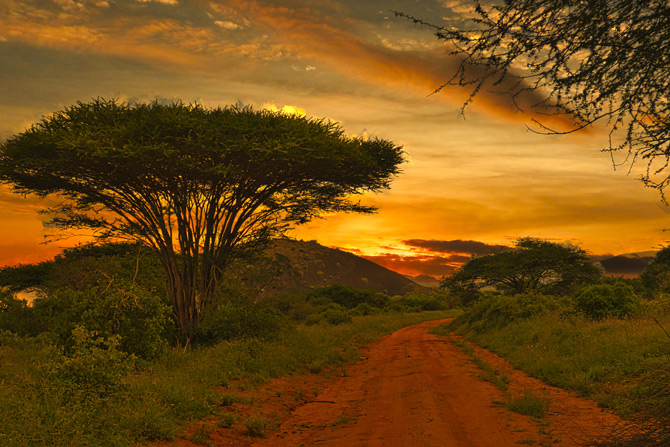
(309, 265)
(628, 265)
(424, 280)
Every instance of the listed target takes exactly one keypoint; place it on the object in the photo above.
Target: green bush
(15, 315)
(313, 319)
(234, 320)
(608, 300)
(336, 316)
(656, 275)
(364, 309)
(84, 266)
(95, 364)
(140, 319)
(423, 301)
(347, 297)
(499, 310)
(295, 307)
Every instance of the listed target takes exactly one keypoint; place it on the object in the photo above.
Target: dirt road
(417, 389)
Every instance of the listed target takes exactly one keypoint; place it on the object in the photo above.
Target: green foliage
(336, 316)
(140, 319)
(500, 310)
(656, 276)
(15, 315)
(295, 307)
(202, 434)
(574, 352)
(347, 297)
(85, 266)
(93, 364)
(219, 181)
(528, 404)
(239, 320)
(257, 426)
(423, 301)
(533, 266)
(156, 400)
(227, 420)
(365, 309)
(488, 373)
(608, 300)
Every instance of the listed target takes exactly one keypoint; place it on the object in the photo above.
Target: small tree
(656, 275)
(533, 266)
(197, 185)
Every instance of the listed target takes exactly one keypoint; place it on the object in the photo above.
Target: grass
(342, 420)
(257, 426)
(158, 399)
(488, 373)
(202, 434)
(591, 357)
(227, 400)
(528, 404)
(226, 420)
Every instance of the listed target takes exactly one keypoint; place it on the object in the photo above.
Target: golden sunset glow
(479, 178)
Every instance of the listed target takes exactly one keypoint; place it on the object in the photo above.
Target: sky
(473, 182)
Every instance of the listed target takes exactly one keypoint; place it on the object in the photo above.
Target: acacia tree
(197, 185)
(595, 60)
(532, 266)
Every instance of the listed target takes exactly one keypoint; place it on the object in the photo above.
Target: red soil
(413, 389)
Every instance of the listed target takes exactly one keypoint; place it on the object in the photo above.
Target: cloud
(436, 266)
(286, 109)
(271, 33)
(150, 37)
(227, 25)
(308, 35)
(441, 258)
(456, 246)
(165, 2)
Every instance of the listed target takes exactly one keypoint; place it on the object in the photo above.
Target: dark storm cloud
(456, 246)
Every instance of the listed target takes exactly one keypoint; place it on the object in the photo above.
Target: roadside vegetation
(605, 338)
(96, 360)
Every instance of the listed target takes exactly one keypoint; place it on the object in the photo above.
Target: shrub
(347, 297)
(257, 426)
(608, 300)
(140, 319)
(656, 275)
(336, 316)
(313, 319)
(239, 320)
(15, 315)
(295, 307)
(422, 301)
(496, 311)
(364, 309)
(84, 266)
(95, 364)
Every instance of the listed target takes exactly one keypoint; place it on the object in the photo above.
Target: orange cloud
(435, 266)
(308, 36)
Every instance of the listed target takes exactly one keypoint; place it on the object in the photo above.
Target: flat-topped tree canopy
(534, 265)
(197, 184)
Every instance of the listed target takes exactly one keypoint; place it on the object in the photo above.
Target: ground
(411, 388)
